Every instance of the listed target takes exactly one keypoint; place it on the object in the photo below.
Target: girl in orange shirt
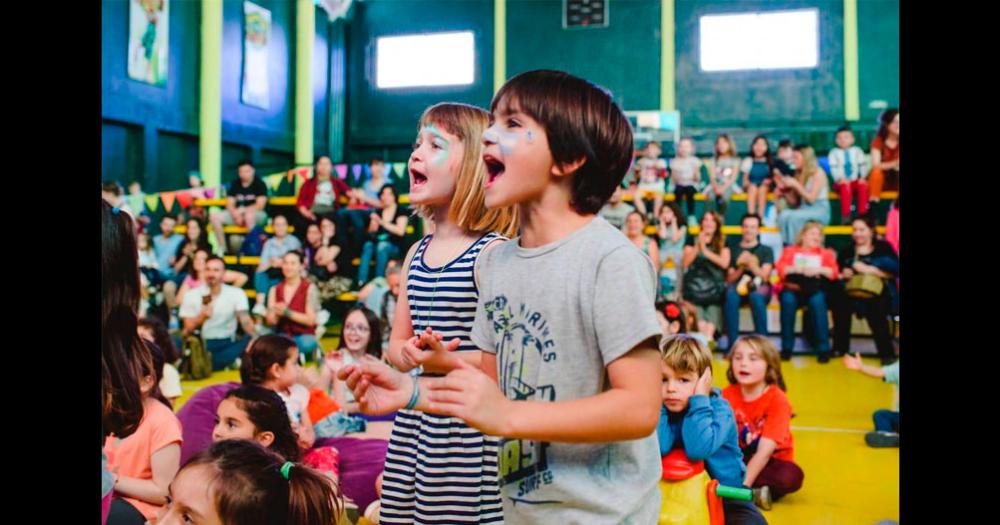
(763, 414)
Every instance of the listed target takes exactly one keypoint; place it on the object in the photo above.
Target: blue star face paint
(529, 137)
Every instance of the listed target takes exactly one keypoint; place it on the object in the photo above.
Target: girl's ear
(147, 383)
(265, 438)
(273, 371)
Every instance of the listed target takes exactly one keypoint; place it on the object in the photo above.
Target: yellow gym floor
(845, 481)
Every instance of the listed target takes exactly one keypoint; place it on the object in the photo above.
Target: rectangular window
(438, 59)
(767, 40)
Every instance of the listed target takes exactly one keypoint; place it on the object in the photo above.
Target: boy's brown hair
(581, 120)
(683, 353)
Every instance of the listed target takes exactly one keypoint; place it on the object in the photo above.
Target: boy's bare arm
(628, 410)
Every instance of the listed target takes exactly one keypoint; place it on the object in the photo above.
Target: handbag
(803, 284)
(196, 362)
(864, 285)
(704, 283)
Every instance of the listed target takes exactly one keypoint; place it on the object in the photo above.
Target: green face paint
(438, 139)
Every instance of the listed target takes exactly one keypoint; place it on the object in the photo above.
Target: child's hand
(438, 356)
(378, 388)
(469, 394)
(704, 385)
(853, 363)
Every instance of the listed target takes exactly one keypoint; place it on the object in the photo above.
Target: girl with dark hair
(885, 155)
(195, 238)
(757, 174)
(868, 273)
(145, 462)
(124, 357)
(386, 229)
(361, 339)
(272, 362)
(254, 412)
(239, 482)
(293, 305)
(153, 329)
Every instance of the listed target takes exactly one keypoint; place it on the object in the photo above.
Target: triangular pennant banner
(209, 193)
(168, 200)
(357, 171)
(273, 181)
(399, 168)
(341, 171)
(152, 202)
(185, 199)
(304, 173)
(197, 193)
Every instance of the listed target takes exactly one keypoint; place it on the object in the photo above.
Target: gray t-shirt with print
(556, 316)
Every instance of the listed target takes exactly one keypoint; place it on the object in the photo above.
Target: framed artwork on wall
(147, 40)
(256, 39)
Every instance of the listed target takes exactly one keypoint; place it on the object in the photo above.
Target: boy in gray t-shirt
(565, 318)
(556, 316)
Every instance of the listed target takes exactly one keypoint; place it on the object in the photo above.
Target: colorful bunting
(184, 198)
(273, 181)
(399, 168)
(210, 193)
(152, 202)
(357, 171)
(168, 200)
(341, 171)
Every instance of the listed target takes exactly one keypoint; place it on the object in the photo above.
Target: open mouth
(494, 168)
(417, 178)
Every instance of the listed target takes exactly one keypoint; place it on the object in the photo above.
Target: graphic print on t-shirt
(749, 432)
(523, 345)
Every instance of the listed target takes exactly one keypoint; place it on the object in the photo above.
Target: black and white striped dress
(437, 469)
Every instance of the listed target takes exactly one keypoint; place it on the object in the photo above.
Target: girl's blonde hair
(468, 207)
(806, 227)
(810, 166)
(768, 352)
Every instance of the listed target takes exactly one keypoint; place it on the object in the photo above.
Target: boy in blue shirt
(696, 418)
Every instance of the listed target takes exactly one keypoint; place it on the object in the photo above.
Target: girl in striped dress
(437, 469)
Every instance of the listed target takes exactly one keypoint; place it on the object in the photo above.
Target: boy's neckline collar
(548, 247)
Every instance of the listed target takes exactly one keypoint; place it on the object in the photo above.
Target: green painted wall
(383, 122)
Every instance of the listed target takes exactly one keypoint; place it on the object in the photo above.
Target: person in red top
(885, 155)
(805, 269)
(292, 306)
(756, 392)
(320, 195)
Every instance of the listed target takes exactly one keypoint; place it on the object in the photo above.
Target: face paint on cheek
(530, 137)
(507, 141)
(441, 156)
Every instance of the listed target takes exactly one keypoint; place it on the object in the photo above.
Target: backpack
(704, 283)
(197, 361)
(253, 244)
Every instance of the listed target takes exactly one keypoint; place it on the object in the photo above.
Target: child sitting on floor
(756, 392)
(239, 481)
(695, 418)
(886, 432)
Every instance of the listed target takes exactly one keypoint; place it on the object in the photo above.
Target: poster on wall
(147, 40)
(257, 36)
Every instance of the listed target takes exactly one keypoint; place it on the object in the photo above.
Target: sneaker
(882, 439)
(786, 355)
(888, 360)
(823, 358)
(762, 497)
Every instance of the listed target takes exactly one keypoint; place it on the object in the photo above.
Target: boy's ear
(562, 170)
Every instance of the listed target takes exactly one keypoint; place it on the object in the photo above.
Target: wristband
(416, 394)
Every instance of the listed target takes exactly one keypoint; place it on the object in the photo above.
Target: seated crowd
(276, 420)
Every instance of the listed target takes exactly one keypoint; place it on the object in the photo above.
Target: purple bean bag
(197, 418)
(361, 460)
